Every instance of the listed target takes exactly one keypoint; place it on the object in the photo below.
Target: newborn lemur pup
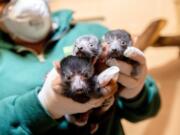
(118, 41)
(80, 84)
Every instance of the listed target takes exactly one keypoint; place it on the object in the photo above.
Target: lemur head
(77, 78)
(87, 46)
(117, 41)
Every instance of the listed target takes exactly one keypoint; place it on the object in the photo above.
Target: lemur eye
(91, 45)
(68, 77)
(123, 42)
(86, 75)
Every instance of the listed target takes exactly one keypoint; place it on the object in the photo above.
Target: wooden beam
(150, 34)
(167, 41)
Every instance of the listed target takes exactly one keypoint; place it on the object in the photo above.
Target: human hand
(108, 81)
(133, 84)
(58, 105)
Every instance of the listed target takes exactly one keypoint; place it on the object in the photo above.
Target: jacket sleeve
(143, 106)
(23, 115)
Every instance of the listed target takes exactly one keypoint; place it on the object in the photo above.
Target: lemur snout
(114, 50)
(80, 48)
(79, 91)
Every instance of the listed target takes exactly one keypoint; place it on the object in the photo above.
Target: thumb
(135, 54)
(111, 73)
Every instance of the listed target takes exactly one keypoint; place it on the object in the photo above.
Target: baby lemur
(118, 41)
(80, 84)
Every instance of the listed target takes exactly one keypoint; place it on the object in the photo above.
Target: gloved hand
(132, 84)
(58, 105)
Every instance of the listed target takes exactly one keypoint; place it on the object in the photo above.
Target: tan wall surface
(132, 15)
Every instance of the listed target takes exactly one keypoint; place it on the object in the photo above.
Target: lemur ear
(57, 66)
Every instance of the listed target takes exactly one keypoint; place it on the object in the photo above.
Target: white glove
(58, 105)
(132, 84)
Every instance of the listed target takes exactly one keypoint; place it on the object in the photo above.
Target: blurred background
(163, 62)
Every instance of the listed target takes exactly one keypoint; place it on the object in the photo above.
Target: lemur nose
(114, 50)
(80, 48)
(79, 91)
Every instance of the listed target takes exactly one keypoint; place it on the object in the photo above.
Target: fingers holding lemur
(111, 62)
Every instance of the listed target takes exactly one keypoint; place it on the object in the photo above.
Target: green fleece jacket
(22, 75)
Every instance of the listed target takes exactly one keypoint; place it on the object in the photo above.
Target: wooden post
(150, 34)
(177, 4)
